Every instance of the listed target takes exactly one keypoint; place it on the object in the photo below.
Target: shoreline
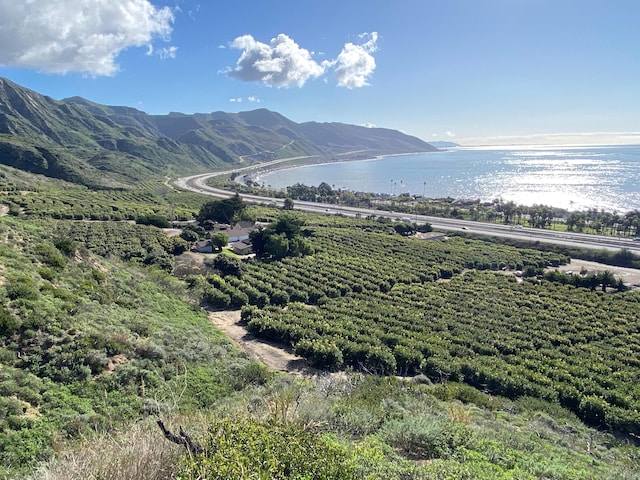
(255, 176)
(575, 182)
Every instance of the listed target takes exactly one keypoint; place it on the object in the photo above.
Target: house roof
(238, 231)
(241, 244)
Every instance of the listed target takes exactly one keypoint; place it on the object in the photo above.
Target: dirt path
(271, 354)
(630, 276)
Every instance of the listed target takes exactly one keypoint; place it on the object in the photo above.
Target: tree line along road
(197, 183)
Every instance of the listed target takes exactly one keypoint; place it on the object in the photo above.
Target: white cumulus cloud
(85, 36)
(281, 63)
(355, 64)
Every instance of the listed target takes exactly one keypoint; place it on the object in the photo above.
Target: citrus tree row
(385, 304)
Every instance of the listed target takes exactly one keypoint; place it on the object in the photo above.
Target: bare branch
(181, 439)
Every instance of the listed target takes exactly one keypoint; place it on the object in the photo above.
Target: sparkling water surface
(573, 178)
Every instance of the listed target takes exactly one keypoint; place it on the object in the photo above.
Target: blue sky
(472, 71)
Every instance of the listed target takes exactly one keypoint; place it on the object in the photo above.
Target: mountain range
(103, 146)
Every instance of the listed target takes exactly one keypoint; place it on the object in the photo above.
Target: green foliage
(216, 298)
(405, 228)
(376, 302)
(227, 265)
(22, 288)
(418, 437)
(244, 449)
(189, 235)
(136, 243)
(50, 255)
(277, 246)
(219, 240)
(252, 373)
(179, 246)
(9, 323)
(107, 342)
(66, 246)
(94, 342)
(287, 204)
(282, 238)
(228, 210)
(320, 354)
(154, 220)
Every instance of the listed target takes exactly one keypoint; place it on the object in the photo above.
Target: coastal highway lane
(197, 183)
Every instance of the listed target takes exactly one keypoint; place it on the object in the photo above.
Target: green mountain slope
(114, 146)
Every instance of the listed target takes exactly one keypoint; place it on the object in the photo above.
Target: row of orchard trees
(370, 300)
(511, 339)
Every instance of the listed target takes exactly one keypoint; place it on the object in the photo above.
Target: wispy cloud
(571, 138)
(192, 13)
(283, 63)
(168, 52)
(250, 99)
(78, 36)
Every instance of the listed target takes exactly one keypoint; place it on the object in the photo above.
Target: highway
(197, 183)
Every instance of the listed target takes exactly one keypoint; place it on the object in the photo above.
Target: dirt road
(275, 356)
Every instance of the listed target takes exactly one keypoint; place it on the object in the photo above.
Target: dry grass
(458, 413)
(140, 453)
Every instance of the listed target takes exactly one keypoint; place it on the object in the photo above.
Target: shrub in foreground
(244, 449)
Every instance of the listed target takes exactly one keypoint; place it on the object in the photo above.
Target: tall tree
(228, 210)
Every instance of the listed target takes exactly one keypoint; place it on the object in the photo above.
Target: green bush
(249, 449)
(22, 288)
(227, 265)
(420, 437)
(380, 361)
(279, 298)
(154, 220)
(320, 354)
(216, 298)
(66, 246)
(8, 323)
(50, 256)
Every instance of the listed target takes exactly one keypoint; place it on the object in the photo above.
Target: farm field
(384, 304)
(99, 340)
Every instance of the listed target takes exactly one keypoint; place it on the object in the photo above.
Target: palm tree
(608, 279)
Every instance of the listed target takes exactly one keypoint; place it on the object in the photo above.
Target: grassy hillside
(98, 341)
(102, 146)
(90, 343)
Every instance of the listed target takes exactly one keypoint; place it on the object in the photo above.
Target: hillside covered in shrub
(449, 367)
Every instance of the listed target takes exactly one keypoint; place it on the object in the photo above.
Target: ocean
(571, 177)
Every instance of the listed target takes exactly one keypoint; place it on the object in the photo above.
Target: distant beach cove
(568, 177)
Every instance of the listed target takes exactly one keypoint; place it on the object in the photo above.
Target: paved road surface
(197, 183)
